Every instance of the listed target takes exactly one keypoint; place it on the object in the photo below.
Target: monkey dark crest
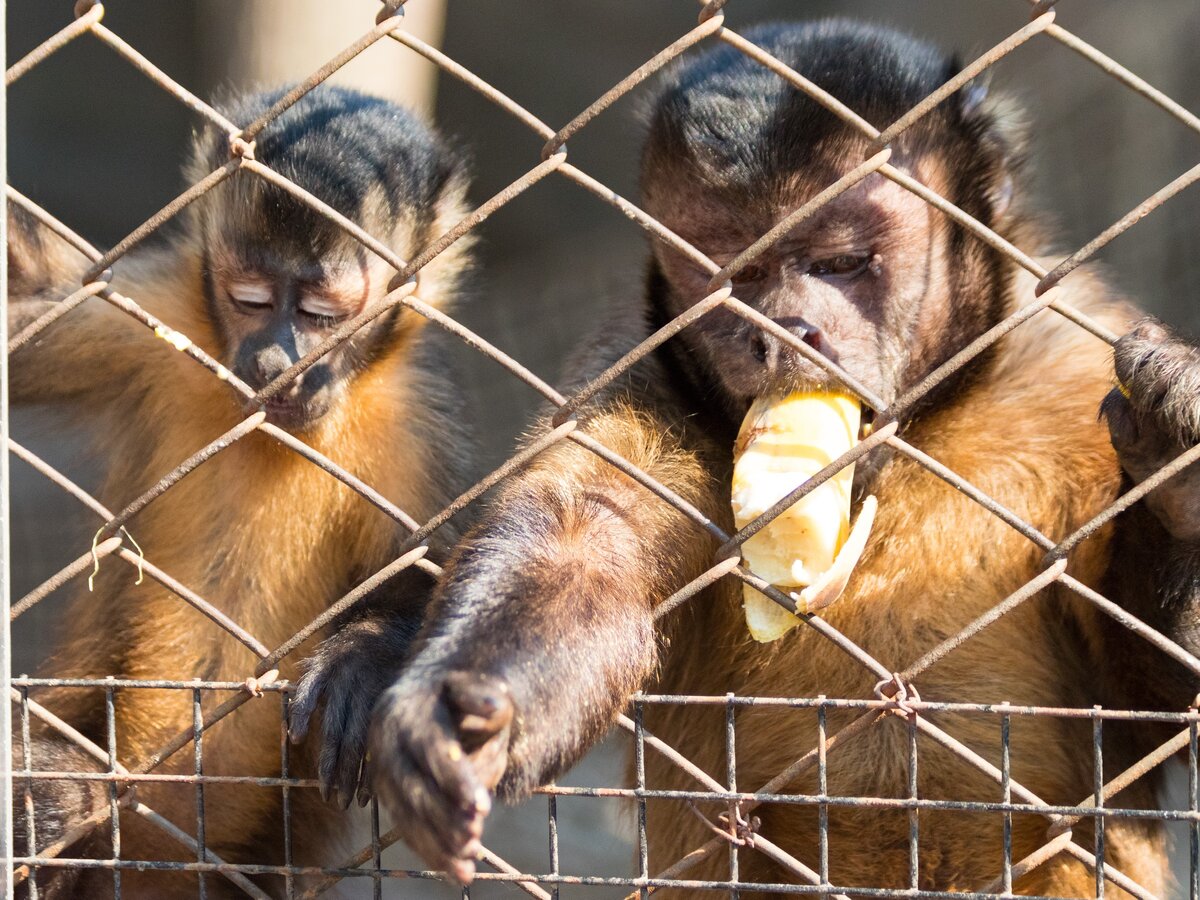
(257, 279)
(544, 625)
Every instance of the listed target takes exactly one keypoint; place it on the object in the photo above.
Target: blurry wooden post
(259, 43)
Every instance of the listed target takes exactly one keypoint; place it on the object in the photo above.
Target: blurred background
(99, 146)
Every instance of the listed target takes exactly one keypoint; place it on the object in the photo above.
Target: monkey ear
(999, 128)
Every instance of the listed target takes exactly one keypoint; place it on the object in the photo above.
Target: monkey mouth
(288, 412)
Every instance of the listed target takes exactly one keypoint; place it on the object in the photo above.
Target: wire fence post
(6, 794)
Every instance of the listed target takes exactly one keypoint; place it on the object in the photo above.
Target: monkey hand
(1154, 415)
(435, 757)
(344, 678)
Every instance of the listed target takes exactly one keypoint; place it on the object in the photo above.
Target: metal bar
(198, 769)
(285, 761)
(914, 814)
(552, 827)
(977, 67)
(30, 817)
(823, 792)
(731, 779)
(6, 757)
(1098, 788)
(639, 757)
(52, 45)
(1193, 765)
(114, 815)
(1006, 875)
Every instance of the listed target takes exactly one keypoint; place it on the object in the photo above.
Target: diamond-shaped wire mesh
(835, 722)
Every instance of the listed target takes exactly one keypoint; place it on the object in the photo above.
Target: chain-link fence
(735, 832)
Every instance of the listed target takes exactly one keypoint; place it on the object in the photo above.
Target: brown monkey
(544, 623)
(258, 279)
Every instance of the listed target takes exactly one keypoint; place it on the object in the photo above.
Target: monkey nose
(270, 363)
(774, 354)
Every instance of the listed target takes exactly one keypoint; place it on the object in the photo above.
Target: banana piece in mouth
(809, 550)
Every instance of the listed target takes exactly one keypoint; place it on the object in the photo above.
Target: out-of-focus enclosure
(99, 146)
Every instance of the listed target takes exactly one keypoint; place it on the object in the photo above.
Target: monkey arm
(1155, 568)
(78, 353)
(541, 630)
(93, 347)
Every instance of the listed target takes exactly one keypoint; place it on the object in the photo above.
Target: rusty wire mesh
(895, 695)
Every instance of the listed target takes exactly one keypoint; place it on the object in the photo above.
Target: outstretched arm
(90, 346)
(541, 630)
(1155, 570)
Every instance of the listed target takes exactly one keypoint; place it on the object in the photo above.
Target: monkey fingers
(434, 758)
(344, 678)
(1154, 415)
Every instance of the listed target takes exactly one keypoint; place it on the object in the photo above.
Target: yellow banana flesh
(782, 443)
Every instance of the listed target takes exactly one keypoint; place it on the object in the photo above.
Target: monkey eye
(845, 265)
(250, 295)
(322, 309)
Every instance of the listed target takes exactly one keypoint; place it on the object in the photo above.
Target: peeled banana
(808, 550)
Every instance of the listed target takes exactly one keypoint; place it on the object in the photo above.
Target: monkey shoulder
(1040, 391)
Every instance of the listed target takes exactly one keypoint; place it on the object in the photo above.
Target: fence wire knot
(735, 828)
(391, 9)
(83, 7)
(254, 684)
(240, 148)
(901, 694)
(741, 828)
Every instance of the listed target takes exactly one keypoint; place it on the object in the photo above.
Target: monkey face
(864, 282)
(272, 312)
(279, 277)
(875, 280)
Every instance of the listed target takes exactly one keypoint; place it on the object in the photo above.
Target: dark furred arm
(1155, 569)
(541, 630)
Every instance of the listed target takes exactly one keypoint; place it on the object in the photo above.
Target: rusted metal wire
(896, 695)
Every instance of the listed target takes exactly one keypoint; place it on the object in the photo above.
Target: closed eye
(250, 295)
(321, 309)
(844, 265)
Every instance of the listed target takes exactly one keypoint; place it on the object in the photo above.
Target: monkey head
(877, 280)
(279, 277)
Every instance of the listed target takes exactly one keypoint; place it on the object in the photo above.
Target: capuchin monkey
(257, 279)
(544, 623)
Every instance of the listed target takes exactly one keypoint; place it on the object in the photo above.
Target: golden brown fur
(1029, 437)
(258, 531)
